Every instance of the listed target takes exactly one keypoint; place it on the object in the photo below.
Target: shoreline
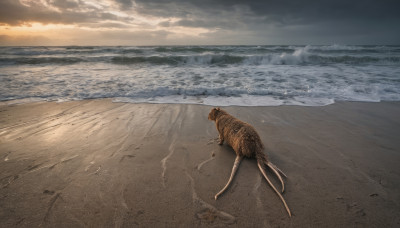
(122, 100)
(102, 163)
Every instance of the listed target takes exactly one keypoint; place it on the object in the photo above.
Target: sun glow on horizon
(95, 23)
(104, 33)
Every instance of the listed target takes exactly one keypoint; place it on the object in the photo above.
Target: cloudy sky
(198, 22)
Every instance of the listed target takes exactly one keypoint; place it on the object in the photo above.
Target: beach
(98, 163)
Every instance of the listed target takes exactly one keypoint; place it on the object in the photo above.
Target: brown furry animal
(246, 142)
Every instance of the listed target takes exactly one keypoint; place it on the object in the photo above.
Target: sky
(199, 22)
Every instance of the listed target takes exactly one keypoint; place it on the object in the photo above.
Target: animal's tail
(260, 163)
(276, 171)
(261, 157)
(270, 163)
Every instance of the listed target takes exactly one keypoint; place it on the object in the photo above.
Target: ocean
(211, 75)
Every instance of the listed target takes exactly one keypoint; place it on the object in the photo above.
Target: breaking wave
(216, 75)
(212, 57)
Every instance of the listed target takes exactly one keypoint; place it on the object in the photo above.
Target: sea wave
(203, 55)
(179, 60)
(42, 60)
(298, 57)
(240, 75)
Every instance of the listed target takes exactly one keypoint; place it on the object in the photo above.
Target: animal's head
(214, 113)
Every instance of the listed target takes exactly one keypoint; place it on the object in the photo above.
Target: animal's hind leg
(221, 139)
(234, 169)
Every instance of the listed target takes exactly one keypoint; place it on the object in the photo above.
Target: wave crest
(204, 55)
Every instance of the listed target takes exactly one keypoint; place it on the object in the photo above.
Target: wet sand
(95, 163)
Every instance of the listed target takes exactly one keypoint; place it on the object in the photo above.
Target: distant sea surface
(211, 75)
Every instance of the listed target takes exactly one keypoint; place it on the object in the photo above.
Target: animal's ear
(218, 109)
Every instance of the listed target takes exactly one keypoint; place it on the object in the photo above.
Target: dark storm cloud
(282, 11)
(204, 23)
(65, 4)
(125, 4)
(311, 21)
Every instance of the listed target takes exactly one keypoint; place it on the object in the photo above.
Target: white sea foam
(245, 100)
(219, 76)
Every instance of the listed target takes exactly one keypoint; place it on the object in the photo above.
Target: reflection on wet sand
(96, 163)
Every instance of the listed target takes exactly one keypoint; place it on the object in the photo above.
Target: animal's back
(241, 136)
